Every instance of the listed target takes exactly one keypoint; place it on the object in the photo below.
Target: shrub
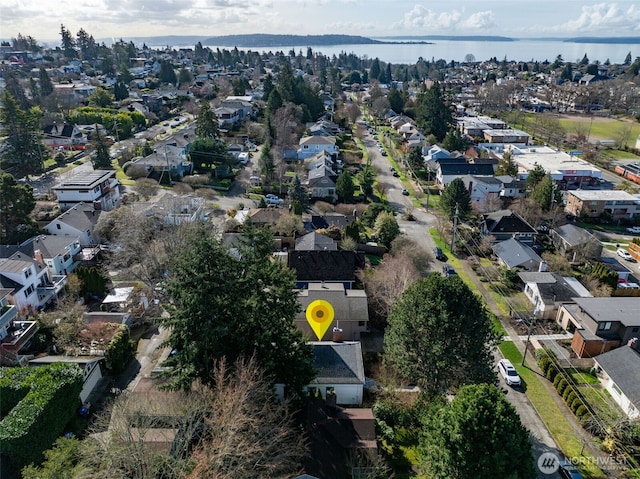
(543, 363)
(582, 411)
(562, 386)
(575, 404)
(557, 380)
(120, 350)
(551, 373)
(570, 398)
(47, 398)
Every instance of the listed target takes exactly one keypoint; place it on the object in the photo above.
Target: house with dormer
(63, 135)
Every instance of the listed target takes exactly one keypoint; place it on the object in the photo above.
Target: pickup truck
(273, 200)
(634, 230)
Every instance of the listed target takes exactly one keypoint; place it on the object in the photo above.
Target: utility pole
(455, 225)
(526, 345)
(553, 194)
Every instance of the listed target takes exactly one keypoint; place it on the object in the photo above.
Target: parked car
(634, 230)
(438, 254)
(624, 254)
(508, 372)
(569, 471)
(396, 174)
(448, 271)
(273, 200)
(405, 192)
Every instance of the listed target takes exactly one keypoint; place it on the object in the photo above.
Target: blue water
(519, 50)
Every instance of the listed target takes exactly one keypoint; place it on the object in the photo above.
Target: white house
(59, 253)
(548, 291)
(99, 187)
(91, 367)
(77, 222)
(619, 370)
(8, 312)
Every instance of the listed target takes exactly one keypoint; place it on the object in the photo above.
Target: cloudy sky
(137, 18)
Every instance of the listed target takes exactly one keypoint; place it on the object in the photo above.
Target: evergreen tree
(535, 176)
(233, 306)
(100, 156)
(375, 70)
(455, 195)
(120, 91)
(23, 139)
(432, 114)
(479, 434)
(184, 76)
(46, 85)
(297, 195)
(386, 228)
(506, 166)
(546, 193)
(454, 141)
(396, 100)
(627, 59)
(16, 204)
(68, 43)
(366, 177)
(267, 166)
(267, 86)
(344, 186)
(167, 73)
(207, 122)
(439, 335)
(415, 158)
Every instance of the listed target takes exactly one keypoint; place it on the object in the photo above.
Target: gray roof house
(77, 222)
(573, 241)
(506, 224)
(315, 242)
(513, 254)
(620, 370)
(547, 291)
(340, 369)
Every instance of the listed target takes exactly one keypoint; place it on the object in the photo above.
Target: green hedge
(120, 350)
(13, 387)
(34, 423)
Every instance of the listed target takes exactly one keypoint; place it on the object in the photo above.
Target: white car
(634, 230)
(624, 254)
(508, 372)
(273, 200)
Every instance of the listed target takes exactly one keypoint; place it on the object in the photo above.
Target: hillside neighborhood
(233, 264)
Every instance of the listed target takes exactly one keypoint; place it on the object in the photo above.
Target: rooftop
(604, 195)
(555, 162)
(86, 179)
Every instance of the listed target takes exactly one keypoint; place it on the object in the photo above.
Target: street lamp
(531, 323)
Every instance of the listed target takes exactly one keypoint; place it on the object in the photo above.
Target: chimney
(632, 342)
(337, 335)
(37, 255)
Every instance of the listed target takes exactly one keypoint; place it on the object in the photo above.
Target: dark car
(439, 255)
(569, 471)
(448, 271)
(396, 174)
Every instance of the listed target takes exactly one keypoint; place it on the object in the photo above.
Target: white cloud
(452, 21)
(480, 21)
(599, 19)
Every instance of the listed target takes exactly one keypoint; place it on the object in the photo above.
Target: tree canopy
(16, 204)
(456, 195)
(207, 122)
(233, 305)
(433, 115)
(439, 336)
(479, 435)
(344, 186)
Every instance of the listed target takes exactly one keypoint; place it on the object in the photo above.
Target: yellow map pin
(319, 316)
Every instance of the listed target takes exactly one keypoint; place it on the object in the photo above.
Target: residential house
(432, 153)
(600, 324)
(243, 107)
(328, 266)
(325, 128)
(8, 312)
(99, 187)
(166, 159)
(484, 191)
(593, 203)
(64, 135)
(339, 371)
(325, 221)
(506, 224)
(61, 254)
(315, 242)
(575, 242)
(312, 145)
(33, 287)
(77, 222)
(448, 169)
(619, 371)
(181, 209)
(227, 117)
(512, 187)
(512, 254)
(322, 184)
(351, 314)
(263, 216)
(548, 291)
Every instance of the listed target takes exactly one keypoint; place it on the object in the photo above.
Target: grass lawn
(582, 377)
(554, 418)
(608, 129)
(620, 155)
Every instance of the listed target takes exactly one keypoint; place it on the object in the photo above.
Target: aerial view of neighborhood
(299, 256)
